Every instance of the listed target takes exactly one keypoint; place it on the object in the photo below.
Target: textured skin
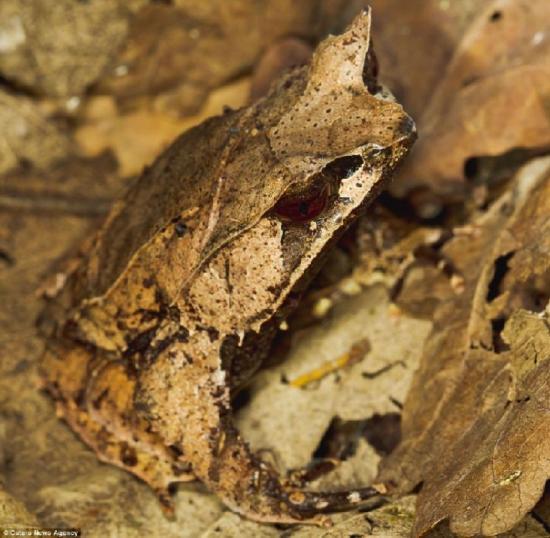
(174, 303)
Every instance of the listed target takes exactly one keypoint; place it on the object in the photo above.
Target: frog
(171, 306)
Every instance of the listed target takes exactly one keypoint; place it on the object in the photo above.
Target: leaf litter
(462, 297)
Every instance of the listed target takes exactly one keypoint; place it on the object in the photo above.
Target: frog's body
(175, 302)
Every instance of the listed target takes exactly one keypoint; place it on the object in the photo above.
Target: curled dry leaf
(476, 423)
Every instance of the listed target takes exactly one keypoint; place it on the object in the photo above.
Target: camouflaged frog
(173, 304)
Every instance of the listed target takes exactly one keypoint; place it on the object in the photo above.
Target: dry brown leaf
(492, 98)
(414, 42)
(475, 423)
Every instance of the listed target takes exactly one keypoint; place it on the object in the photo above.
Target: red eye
(302, 208)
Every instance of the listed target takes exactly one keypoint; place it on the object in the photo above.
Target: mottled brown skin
(176, 300)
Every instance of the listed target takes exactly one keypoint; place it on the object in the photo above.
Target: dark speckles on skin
(214, 468)
(180, 469)
(151, 354)
(175, 450)
(142, 407)
(161, 300)
(141, 342)
(80, 398)
(218, 392)
(180, 228)
(128, 455)
(148, 315)
(97, 401)
(213, 334)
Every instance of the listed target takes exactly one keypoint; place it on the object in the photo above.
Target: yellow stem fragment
(355, 354)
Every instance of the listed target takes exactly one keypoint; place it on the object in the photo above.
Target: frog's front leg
(188, 403)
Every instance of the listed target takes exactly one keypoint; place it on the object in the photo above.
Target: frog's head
(340, 141)
(334, 135)
(318, 146)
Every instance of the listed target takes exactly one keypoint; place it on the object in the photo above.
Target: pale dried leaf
(137, 137)
(355, 392)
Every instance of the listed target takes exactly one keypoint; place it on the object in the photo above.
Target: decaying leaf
(476, 423)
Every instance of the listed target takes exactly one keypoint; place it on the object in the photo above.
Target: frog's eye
(303, 207)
